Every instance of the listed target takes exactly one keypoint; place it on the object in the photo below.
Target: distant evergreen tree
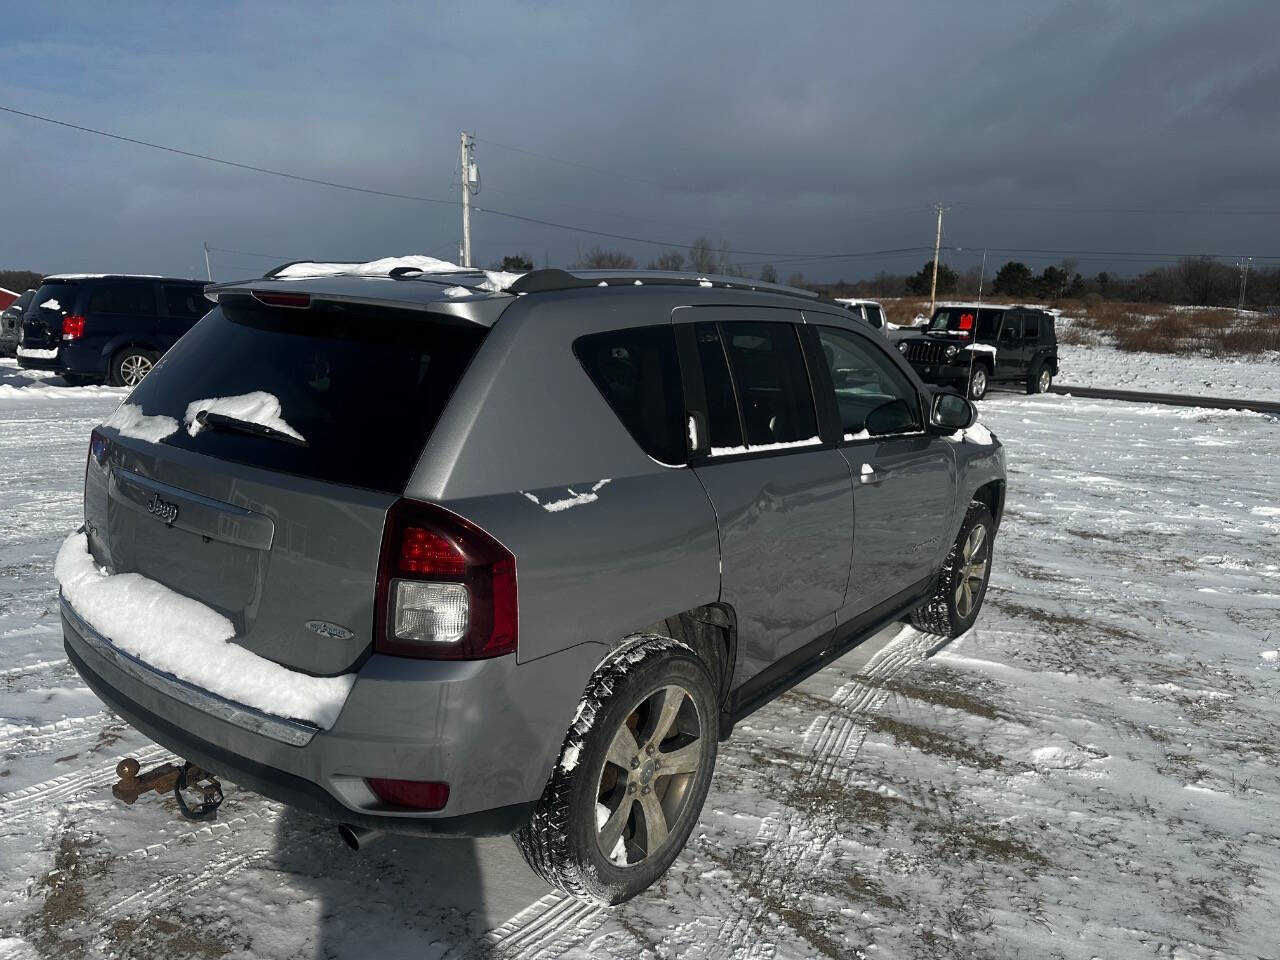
(517, 263)
(1014, 279)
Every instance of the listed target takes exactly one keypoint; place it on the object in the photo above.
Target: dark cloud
(799, 128)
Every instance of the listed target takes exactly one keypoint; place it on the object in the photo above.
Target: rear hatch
(272, 511)
(42, 326)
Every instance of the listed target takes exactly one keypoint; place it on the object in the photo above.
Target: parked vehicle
(11, 323)
(969, 347)
(548, 544)
(868, 310)
(107, 328)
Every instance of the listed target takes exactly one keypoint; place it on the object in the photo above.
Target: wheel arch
(991, 494)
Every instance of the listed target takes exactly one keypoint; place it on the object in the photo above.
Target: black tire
(562, 842)
(125, 364)
(943, 614)
(1039, 379)
(979, 380)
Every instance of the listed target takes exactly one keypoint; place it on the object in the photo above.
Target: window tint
(874, 315)
(1012, 326)
(185, 302)
(136, 299)
(773, 385)
(64, 295)
(638, 373)
(864, 376)
(1032, 329)
(964, 318)
(722, 406)
(365, 389)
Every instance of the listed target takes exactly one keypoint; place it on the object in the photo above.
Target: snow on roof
(495, 280)
(99, 276)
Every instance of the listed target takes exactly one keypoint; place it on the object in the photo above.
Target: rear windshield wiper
(220, 421)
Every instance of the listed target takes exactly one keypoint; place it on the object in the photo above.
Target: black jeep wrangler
(968, 345)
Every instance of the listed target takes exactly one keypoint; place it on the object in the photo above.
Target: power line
(1140, 211)
(369, 190)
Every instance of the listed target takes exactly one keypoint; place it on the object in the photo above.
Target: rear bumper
(85, 358)
(490, 729)
(39, 363)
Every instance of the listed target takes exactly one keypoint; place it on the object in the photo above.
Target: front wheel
(978, 383)
(130, 365)
(962, 582)
(632, 775)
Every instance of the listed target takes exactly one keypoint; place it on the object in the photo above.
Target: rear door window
(185, 302)
(137, 299)
(1031, 327)
(723, 423)
(53, 300)
(363, 388)
(772, 383)
(638, 373)
(874, 315)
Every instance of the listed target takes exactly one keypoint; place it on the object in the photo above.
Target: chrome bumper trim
(293, 732)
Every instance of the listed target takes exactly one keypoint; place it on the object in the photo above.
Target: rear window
(364, 389)
(55, 298)
(185, 301)
(639, 375)
(133, 298)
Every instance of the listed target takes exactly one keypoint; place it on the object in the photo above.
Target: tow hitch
(166, 777)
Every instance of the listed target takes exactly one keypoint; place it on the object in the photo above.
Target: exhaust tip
(357, 837)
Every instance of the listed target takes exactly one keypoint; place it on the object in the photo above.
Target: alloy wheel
(645, 782)
(973, 571)
(133, 368)
(978, 384)
(1045, 379)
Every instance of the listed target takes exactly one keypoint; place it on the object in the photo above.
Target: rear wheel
(632, 775)
(978, 383)
(962, 583)
(130, 365)
(1040, 379)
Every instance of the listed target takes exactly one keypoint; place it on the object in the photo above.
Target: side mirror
(893, 416)
(952, 412)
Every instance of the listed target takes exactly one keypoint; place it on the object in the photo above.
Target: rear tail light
(72, 327)
(419, 794)
(446, 589)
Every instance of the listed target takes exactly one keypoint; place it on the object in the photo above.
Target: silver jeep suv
(421, 554)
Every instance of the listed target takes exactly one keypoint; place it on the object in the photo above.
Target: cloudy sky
(793, 131)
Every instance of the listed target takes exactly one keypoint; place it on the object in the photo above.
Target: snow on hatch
(51, 304)
(132, 422)
(257, 407)
(495, 280)
(183, 637)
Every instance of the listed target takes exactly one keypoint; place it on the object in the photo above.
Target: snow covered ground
(1106, 367)
(1092, 771)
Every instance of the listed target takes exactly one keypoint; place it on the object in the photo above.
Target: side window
(773, 384)
(185, 302)
(637, 372)
(874, 315)
(136, 299)
(865, 378)
(722, 406)
(1012, 330)
(1031, 329)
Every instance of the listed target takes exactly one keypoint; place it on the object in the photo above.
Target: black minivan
(113, 328)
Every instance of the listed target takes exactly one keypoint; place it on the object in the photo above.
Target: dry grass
(1148, 328)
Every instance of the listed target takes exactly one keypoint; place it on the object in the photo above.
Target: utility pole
(937, 246)
(207, 269)
(1244, 280)
(470, 185)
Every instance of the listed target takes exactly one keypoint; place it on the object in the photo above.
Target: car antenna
(977, 315)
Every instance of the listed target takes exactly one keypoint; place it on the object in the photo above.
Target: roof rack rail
(541, 281)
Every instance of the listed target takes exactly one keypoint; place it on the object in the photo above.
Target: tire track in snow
(557, 923)
(837, 738)
(38, 797)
